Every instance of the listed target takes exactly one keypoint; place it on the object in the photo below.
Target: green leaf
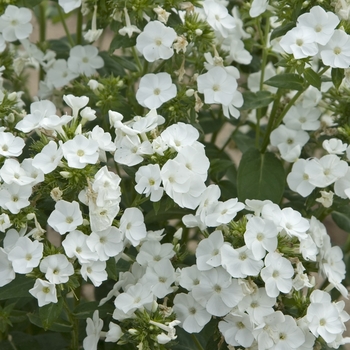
(111, 268)
(49, 313)
(18, 288)
(58, 326)
(342, 217)
(126, 63)
(288, 81)
(312, 78)
(85, 310)
(337, 76)
(260, 176)
(281, 30)
(29, 3)
(243, 141)
(120, 41)
(256, 100)
(218, 168)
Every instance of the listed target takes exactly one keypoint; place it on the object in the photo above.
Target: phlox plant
(183, 175)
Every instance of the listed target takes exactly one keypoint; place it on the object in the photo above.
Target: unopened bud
(189, 92)
(12, 96)
(199, 32)
(66, 174)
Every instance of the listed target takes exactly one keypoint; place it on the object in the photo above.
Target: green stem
(75, 326)
(42, 30)
(264, 38)
(198, 344)
(137, 59)
(66, 30)
(79, 31)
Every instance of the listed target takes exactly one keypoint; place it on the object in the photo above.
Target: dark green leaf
(125, 63)
(49, 313)
(243, 141)
(85, 310)
(218, 168)
(18, 288)
(111, 66)
(312, 78)
(337, 76)
(281, 30)
(111, 268)
(29, 3)
(60, 46)
(228, 189)
(256, 100)
(288, 81)
(187, 341)
(57, 326)
(342, 218)
(120, 41)
(260, 176)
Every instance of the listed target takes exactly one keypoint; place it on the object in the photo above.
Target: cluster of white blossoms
(316, 34)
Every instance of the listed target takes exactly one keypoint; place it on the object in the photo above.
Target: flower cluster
(113, 174)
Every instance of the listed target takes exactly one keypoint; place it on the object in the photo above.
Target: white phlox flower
(114, 333)
(59, 74)
(155, 41)
(80, 151)
(160, 276)
(93, 34)
(326, 170)
(152, 252)
(189, 277)
(15, 23)
(132, 225)
(218, 17)
(334, 146)
(217, 291)
(321, 22)
(300, 41)
(44, 291)
(7, 274)
(14, 197)
(75, 246)
(106, 243)
(277, 274)
(260, 236)
(49, 157)
(95, 271)
(193, 316)
(10, 145)
(170, 329)
(66, 217)
(84, 60)
(179, 135)
(93, 331)
(258, 7)
(57, 268)
(342, 186)
(76, 103)
(301, 118)
(25, 255)
(298, 179)
(208, 252)
(237, 329)
(148, 181)
(129, 29)
(13, 173)
(336, 53)
(155, 89)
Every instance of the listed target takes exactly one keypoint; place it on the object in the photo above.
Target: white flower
(217, 85)
(277, 274)
(301, 118)
(193, 316)
(80, 151)
(129, 29)
(95, 271)
(152, 251)
(93, 330)
(10, 145)
(66, 217)
(300, 41)
(155, 41)
(155, 89)
(84, 60)
(44, 291)
(258, 7)
(148, 181)
(170, 329)
(69, 5)
(59, 74)
(15, 23)
(14, 197)
(218, 17)
(334, 146)
(49, 157)
(7, 274)
(298, 179)
(133, 226)
(57, 268)
(114, 333)
(336, 53)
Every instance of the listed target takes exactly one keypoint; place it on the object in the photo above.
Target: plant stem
(42, 30)
(198, 344)
(137, 59)
(63, 21)
(79, 30)
(74, 323)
